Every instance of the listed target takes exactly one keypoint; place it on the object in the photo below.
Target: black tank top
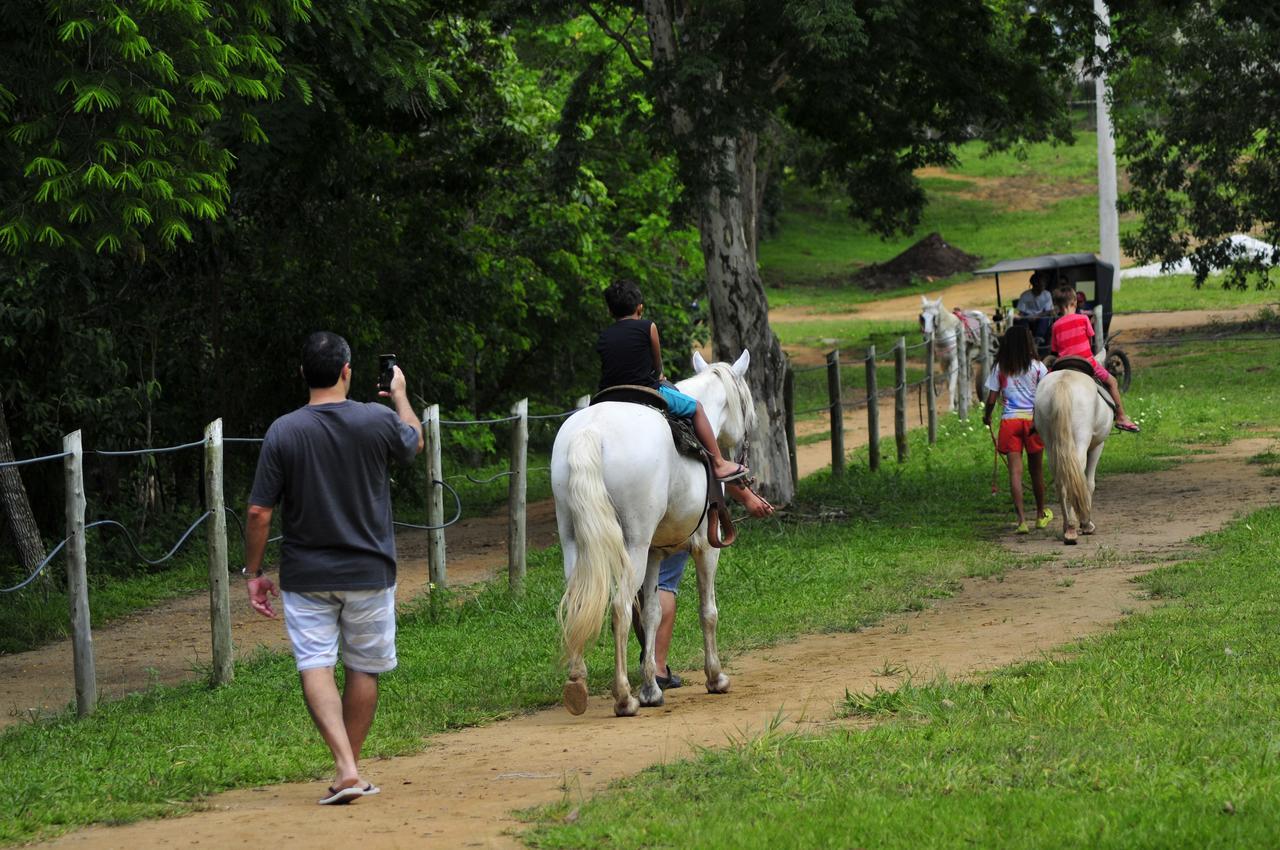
(626, 355)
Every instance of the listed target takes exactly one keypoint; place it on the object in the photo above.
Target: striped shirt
(1072, 335)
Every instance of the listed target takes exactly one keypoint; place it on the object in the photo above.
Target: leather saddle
(720, 529)
(1084, 367)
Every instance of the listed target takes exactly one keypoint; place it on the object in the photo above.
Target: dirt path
(167, 643)
(462, 790)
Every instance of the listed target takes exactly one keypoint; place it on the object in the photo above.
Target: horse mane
(740, 414)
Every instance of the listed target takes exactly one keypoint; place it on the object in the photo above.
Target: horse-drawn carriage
(1086, 274)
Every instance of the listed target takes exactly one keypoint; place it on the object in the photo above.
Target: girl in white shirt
(1014, 381)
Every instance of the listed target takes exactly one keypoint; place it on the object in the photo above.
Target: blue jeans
(680, 405)
(671, 570)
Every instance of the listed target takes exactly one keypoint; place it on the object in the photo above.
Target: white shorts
(364, 621)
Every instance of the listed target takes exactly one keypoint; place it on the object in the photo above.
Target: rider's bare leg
(1114, 389)
(702, 428)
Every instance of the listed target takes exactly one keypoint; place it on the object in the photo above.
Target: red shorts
(1099, 371)
(1017, 433)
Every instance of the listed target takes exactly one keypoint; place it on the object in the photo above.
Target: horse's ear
(699, 365)
(924, 300)
(740, 365)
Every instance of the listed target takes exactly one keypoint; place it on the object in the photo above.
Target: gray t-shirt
(327, 463)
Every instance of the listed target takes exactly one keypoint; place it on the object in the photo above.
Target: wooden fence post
(931, 391)
(77, 579)
(837, 413)
(1099, 341)
(962, 373)
(985, 341)
(900, 397)
(789, 410)
(435, 498)
(873, 411)
(517, 492)
(219, 579)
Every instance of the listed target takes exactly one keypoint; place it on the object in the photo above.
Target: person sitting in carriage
(630, 353)
(1073, 337)
(1035, 306)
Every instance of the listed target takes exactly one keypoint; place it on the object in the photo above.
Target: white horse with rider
(625, 498)
(1073, 417)
(944, 327)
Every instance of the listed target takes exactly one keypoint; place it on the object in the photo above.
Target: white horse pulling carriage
(944, 327)
(625, 498)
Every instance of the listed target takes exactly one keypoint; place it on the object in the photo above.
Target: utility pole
(1108, 217)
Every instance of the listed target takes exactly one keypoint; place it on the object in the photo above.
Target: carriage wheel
(1118, 365)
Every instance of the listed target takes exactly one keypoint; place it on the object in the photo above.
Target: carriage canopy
(1085, 272)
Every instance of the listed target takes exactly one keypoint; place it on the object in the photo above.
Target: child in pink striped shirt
(1073, 337)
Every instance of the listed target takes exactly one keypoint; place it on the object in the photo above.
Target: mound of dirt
(929, 259)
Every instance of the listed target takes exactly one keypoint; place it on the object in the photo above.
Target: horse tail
(602, 561)
(1067, 468)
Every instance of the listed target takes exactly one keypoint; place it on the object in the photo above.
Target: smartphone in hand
(386, 371)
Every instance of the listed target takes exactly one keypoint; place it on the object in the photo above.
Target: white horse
(1074, 419)
(625, 498)
(945, 328)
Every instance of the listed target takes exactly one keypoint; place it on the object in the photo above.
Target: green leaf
(76, 30)
(97, 176)
(48, 166)
(81, 213)
(110, 243)
(172, 230)
(51, 237)
(95, 98)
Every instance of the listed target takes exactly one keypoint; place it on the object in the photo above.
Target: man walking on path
(326, 465)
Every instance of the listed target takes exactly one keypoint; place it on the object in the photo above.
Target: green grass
(1159, 734)
(846, 333)
(913, 531)
(1178, 292)
(1138, 740)
(817, 243)
(493, 655)
(119, 585)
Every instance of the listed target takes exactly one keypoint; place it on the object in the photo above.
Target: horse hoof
(575, 696)
(1089, 529)
(629, 708)
(718, 685)
(1069, 541)
(651, 698)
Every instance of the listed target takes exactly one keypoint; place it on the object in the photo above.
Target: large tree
(105, 147)
(885, 87)
(1198, 127)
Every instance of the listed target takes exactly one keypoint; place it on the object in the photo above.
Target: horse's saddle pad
(1084, 367)
(1073, 364)
(681, 429)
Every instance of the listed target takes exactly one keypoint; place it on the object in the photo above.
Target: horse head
(725, 396)
(931, 313)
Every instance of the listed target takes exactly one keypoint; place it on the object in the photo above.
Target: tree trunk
(739, 308)
(17, 510)
(740, 319)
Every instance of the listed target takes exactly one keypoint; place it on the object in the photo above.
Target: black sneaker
(669, 681)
